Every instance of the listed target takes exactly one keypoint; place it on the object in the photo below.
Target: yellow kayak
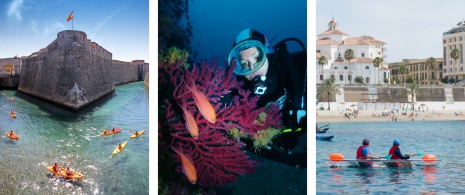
(123, 145)
(62, 172)
(138, 134)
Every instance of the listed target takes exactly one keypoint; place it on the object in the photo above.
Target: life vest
(360, 156)
(393, 155)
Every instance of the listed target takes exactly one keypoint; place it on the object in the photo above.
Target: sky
(412, 29)
(119, 26)
(216, 23)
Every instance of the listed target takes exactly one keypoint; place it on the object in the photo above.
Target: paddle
(324, 125)
(71, 161)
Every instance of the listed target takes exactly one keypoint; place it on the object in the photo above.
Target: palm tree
(349, 55)
(322, 61)
(359, 80)
(430, 65)
(376, 63)
(403, 70)
(329, 88)
(455, 53)
(413, 89)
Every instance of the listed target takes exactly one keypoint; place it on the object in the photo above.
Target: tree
(376, 63)
(349, 55)
(322, 61)
(359, 80)
(410, 79)
(455, 53)
(413, 89)
(329, 88)
(430, 65)
(403, 70)
(386, 80)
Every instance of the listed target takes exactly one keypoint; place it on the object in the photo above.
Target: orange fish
(191, 125)
(205, 108)
(188, 167)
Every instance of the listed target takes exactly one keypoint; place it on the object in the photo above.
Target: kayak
(354, 162)
(13, 115)
(109, 132)
(138, 134)
(324, 137)
(62, 172)
(123, 145)
(15, 136)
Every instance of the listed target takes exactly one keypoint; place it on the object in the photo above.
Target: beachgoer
(364, 153)
(396, 154)
(278, 77)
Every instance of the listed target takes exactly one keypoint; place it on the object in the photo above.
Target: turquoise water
(52, 134)
(443, 139)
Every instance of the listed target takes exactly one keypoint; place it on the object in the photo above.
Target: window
(432, 75)
(349, 77)
(444, 55)
(363, 55)
(367, 80)
(321, 77)
(345, 67)
(318, 51)
(366, 67)
(339, 54)
(445, 70)
(335, 67)
(450, 69)
(341, 77)
(444, 41)
(460, 38)
(333, 77)
(461, 69)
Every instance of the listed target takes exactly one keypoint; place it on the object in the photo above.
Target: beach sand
(367, 116)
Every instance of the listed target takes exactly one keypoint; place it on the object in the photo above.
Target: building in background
(454, 39)
(419, 69)
(10, 66)
(333, 43)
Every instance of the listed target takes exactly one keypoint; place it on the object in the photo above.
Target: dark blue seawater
(443, 139)
(52, 134)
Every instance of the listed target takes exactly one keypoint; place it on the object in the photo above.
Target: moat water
(52, 134)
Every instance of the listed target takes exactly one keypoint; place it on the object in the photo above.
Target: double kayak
(15, 136)
(138, 134)
(123, 145)
(324, 137)
(110, 132)
(62, 172)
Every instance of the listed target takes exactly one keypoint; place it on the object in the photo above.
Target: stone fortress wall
(73, 71)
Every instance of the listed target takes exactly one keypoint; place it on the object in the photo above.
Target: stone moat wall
(73, 72)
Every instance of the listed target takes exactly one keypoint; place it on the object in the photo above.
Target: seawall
(73, 71)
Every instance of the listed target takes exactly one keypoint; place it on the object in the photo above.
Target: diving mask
(246, 69)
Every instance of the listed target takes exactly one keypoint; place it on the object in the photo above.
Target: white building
(333, 43)
(454, 38)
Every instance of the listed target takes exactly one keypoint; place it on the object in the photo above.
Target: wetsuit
(362, 153)
(396, 154)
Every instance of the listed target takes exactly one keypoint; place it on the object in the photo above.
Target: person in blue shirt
(364, 153)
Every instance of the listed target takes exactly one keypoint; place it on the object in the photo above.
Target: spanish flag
(70, 17)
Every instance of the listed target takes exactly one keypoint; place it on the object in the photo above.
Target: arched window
(345, 67)
(366, 67)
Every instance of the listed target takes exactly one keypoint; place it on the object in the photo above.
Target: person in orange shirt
(55, 167)
(120, 147)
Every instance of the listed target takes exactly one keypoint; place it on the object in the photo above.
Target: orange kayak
(62, 172)
(117, 130)
(13, 115)
(15, 136)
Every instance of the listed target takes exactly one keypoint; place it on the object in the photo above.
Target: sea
(444, 139)
(52, 134)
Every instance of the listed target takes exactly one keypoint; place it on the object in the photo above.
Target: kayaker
(396, 154)
(136, 133)
(363, 153)
(104, 131)
(69, 172)
(12, 133)
(120, 147)
(113, 129)
(55, 167)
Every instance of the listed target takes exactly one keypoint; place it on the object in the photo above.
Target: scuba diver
(277, 76)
